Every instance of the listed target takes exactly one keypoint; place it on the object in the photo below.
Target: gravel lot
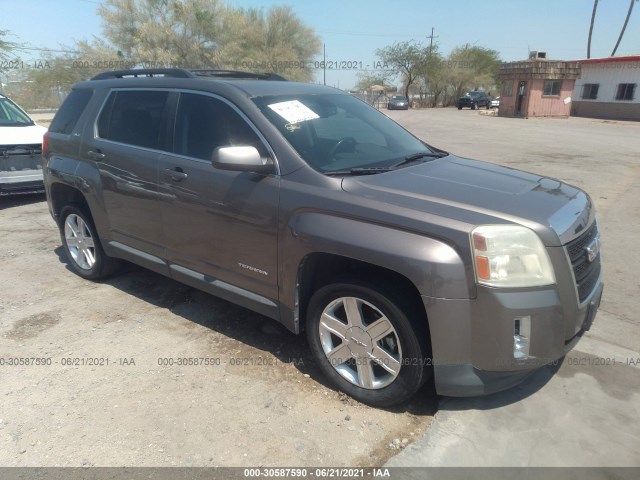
(262, 402)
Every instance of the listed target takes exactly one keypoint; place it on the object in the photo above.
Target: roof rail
(235, 74)
(186, 73)
(145, 72)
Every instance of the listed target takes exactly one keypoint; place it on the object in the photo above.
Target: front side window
(133, 117)
(204, 123)
(337, 132)
(590, 91)
(552, 87)
(12, 116)
(626, 91)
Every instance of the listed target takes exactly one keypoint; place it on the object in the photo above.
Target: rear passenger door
(126, 151)
(220, 226)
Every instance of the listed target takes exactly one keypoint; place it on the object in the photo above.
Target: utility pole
(431, 37)
(324, 63)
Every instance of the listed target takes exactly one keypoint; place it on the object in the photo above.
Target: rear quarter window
(70, 111)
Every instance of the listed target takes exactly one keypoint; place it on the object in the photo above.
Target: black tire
(488, 105)
(102, 265)
(474, 106)
(459, 108)
(410, 335)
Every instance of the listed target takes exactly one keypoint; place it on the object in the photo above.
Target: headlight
(510, 256)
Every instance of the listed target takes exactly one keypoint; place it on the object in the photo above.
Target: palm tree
(624, 27)
(593, 17)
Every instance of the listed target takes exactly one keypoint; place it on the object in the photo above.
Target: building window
(507, 89)
(590, 91)
(626, 91)
(552, 87)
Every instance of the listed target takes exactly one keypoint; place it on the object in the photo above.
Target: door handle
(96, 155)
(176, 174)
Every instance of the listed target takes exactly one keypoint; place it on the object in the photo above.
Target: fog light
(521, 337)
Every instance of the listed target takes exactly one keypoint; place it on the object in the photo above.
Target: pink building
(537, 88)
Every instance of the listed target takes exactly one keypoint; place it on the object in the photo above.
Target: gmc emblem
(593, 249)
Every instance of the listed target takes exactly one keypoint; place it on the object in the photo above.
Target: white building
(608, 88)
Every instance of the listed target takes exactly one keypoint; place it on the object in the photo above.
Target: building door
(522, 91)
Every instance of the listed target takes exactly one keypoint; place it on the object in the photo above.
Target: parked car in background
(495, 103)
(20, 150)
(474, 100)
(398, 102)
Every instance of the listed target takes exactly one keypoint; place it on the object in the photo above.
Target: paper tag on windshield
(294, 111)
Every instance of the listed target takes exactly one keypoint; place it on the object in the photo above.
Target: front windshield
(473, 94)
(12, 116)
(336, 132)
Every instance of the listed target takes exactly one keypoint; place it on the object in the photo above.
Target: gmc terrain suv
(398, 260)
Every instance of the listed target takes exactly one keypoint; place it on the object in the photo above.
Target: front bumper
(473, 339)
(21, 181)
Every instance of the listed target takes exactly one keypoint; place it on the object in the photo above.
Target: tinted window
(204, 123)
(70, 111)
(133, 117)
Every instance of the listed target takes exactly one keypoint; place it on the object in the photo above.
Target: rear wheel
(474, 106)
(459, 108)
(366, 344)
(82, 245)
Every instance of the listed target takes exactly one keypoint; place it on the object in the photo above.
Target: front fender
(434, 267)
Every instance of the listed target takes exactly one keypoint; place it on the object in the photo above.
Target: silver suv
(399, 261)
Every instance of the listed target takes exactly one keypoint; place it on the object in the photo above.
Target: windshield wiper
(417, 156)
(373, 170)
(360, 171)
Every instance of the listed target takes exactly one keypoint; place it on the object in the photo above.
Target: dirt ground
(100, 389)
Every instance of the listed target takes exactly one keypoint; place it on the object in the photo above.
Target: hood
(476, 193)
(21, 135)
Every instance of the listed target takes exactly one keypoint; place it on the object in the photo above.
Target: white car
(20, 150)
(495, 103)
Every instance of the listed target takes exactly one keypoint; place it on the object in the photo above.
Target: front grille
(585, 272)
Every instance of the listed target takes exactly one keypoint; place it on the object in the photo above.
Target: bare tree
(593, 19)
(624, 27)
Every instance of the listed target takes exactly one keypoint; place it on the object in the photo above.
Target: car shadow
(18, 200)
(240, 324)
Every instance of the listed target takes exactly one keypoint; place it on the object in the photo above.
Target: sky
(352, 30)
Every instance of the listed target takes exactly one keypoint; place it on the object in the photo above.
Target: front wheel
(367, 344)
(82, 245)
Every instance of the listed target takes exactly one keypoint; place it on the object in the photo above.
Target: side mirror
(241, 159)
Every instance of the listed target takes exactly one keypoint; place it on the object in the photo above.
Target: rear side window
(133, 117)
(70, 111)
(204, 123)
